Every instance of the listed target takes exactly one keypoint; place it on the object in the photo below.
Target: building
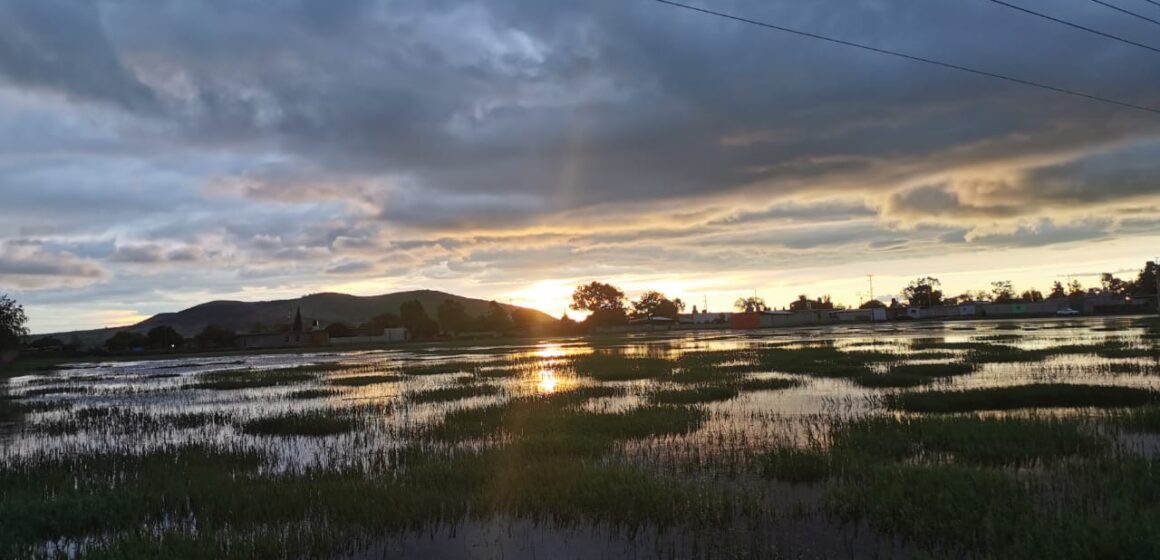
(860, 315)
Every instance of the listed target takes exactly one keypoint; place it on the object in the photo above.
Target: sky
(157, 154)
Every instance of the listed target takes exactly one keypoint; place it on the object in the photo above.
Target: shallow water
(736, 429)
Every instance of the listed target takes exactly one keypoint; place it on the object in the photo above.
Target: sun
(549, 296)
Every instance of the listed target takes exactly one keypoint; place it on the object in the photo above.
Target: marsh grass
(364, 380)
(125, 420)
(454, 393)
(324, 422)
(913, 375)
(796, 465)
(772, 384)
(615, 367)
(442, 368)
(1040, 395)
(694, 395)
(230, 380)
(307, 394)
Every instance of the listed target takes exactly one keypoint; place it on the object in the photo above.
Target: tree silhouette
(750, 304)
(654, 304)
(1057, 290)
(452, 317)
(924, 292)
(604, 301)
(163, 337)
(12, 323)
(1003, 291)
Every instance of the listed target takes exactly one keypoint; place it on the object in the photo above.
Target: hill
(326, 308)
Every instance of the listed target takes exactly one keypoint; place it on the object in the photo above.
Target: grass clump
(913, 375)
(964, 440)
(309, 423)
(308, 394)
(444, 394)
(695, 395)
(772, 384)
(364, 380)
(251, 379)
(441, 368)
(1040, 395)
(802, 466)
(615, 367)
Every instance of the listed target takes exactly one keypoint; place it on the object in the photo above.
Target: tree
(924, 292)
(1057, 291)
(1003, 291)
(163, 337)
(338, 330)
(415, 319)
(452, 316)
(597, 296)
(1145, 284)
(213, 336)
(497, 318)
(524, 318)
(655, 304)
(383, 321)
(12, 323)
(125, 341)
(1032, 296)
(1074, 289)
(1113, 285)
(750, 304)
(872, 304)
(604, 301)
(297, 326)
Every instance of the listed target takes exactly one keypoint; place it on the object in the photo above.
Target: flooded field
(969, 439)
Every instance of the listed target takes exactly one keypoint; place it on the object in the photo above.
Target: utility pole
(871, 277)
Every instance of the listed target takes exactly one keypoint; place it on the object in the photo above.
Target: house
(296, 337)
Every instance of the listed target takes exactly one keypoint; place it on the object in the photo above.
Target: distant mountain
(326, 308)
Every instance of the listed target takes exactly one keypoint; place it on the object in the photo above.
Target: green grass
(306, 423)
(455, 393)
(1044, 395)
(364, 380)
(251, 379)
(964, 440)
(615, 367)
(913, 375)
(708, 393)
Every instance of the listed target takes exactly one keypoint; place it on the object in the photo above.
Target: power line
(914, 58)
(1126, 11)
(1076, 25)
(1153, 2)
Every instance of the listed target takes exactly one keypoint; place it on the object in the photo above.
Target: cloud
(28, 266)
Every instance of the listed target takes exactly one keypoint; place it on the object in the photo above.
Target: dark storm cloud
(58, 45)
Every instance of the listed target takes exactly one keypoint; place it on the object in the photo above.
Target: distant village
(610, 311)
